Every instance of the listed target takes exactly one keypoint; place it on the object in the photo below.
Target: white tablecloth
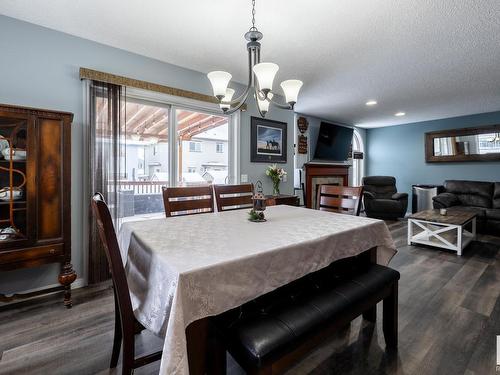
(182, 269)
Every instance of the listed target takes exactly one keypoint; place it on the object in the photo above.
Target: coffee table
(453, 231)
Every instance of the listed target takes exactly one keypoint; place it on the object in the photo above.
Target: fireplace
(323, 173)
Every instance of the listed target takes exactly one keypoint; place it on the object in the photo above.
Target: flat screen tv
(334, 142)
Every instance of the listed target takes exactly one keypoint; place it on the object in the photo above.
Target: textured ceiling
(428, 58)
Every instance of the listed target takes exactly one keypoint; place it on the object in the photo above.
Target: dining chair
(233, 197)
(126, 326)
(342, 199)
(188, 200)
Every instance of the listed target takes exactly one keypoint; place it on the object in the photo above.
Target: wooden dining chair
(233, 197)
(189, 200)
(342, 199)
(126, 326)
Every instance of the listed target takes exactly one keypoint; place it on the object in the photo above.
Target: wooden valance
(86, 73)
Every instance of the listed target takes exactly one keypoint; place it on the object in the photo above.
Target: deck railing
(142, 187)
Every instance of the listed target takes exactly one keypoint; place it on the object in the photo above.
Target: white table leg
(459, 240)
(410, 231)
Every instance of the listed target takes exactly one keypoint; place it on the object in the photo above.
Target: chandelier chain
(257, 72)
(253, 16)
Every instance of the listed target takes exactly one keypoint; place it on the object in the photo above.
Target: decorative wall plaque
(302, 125)
(302, 144)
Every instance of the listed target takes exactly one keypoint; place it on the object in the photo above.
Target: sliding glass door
(146, 159)
(140, 142)
(202, 148)
(159, 144)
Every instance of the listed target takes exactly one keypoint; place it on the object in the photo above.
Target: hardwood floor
(449, 316)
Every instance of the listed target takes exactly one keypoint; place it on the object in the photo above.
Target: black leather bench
(267, 335)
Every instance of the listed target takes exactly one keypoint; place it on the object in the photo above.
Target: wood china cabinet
(35, 181)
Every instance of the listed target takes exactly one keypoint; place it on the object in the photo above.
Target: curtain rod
(96, 75)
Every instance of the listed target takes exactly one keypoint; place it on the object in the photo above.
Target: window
(194, 146)
(142, 158)
(357, 164)
(488, 143)
(150, 156)
(205, 164)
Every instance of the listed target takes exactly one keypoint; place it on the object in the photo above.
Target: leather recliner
(480, 197)
(381, 199)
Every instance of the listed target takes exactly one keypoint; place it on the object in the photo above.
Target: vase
(276, 187)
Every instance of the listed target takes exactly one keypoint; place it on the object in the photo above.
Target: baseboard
(78, 283)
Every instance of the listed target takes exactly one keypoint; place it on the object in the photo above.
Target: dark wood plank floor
(449, 318)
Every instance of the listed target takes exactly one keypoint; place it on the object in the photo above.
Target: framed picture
(268, 141)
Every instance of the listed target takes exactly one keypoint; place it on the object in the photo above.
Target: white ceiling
(429, 58)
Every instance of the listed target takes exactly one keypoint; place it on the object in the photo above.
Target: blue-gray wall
(39, 67)
(399, 151)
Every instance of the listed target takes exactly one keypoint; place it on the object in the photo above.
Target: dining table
(183, 270)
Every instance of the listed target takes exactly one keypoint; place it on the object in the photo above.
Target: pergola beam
(189, 123)
(129, 135)
(208, 120)
(143, 123)
(156, 125)
(184, 116)
(193, 120)
(132, 118)
(190, 133)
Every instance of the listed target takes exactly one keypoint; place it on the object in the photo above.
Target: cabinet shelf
(14, 161)
(6, 203)
(15, 239)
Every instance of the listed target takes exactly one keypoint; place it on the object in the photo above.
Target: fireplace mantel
(313, 170)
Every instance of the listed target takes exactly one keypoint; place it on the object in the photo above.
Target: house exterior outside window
(194, 146)
(219, 148)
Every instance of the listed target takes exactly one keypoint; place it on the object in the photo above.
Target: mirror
(469, 144)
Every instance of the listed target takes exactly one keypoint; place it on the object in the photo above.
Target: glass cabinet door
(13, 181)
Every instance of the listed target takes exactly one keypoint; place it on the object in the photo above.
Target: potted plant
(276, 174)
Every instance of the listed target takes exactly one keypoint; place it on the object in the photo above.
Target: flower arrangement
(257, 216)
(276, 174)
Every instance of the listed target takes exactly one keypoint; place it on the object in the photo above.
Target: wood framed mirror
(461, 145)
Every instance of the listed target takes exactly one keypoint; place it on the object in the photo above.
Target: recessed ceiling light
(399, 114)
(371, 102)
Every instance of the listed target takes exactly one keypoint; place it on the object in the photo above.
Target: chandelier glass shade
(220, 81)
(265, 73)
(225, 102)
(263, 104)
(260, 79)
(291, 88)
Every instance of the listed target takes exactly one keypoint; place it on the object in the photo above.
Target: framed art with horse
(268, 141)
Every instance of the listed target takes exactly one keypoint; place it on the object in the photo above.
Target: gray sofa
(480, 197)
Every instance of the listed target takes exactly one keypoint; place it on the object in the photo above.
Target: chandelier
(260, 77)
